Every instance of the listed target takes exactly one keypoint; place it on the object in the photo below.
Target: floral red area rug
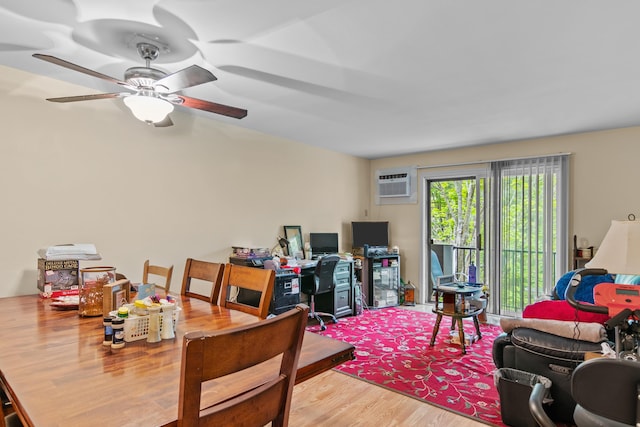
(392, 350)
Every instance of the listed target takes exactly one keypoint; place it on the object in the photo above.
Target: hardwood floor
(338, 400)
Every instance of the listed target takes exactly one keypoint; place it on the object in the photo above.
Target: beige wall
(90, 173)
(603, 184)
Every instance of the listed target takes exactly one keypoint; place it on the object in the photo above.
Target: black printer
(286, 290)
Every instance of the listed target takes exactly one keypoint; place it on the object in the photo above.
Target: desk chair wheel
(317, 316)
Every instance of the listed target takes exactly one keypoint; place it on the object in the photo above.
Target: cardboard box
(588, 355)
(454, 338)
(58, 278)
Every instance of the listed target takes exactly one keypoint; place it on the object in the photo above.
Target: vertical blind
(530, 200)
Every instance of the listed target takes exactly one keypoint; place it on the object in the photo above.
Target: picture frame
(293, 233)
(115, 295)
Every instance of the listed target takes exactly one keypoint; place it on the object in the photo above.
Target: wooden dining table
(57, 372)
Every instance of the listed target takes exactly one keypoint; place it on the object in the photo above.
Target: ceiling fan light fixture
(153, 93)
(149, 109)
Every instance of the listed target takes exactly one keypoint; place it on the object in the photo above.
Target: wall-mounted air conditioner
(396, 185)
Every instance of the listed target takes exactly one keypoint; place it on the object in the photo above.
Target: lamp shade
(149, 109)
(619, 252)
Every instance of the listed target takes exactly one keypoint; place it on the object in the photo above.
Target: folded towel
(72, 248)
(64, 252)
(42, 253)
(583, 331)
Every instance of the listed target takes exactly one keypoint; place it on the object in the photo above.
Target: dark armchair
(553, 346)
(547, 354)
(323, 282)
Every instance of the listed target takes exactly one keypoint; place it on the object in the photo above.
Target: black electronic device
(286, 293)
(249, 262)
(323, 243)
(375, 234)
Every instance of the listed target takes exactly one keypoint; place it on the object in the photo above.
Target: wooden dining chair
(260, 393)
(156, 270)
(257, 281)
(205, 271)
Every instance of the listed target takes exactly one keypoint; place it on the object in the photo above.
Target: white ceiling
(370, 78)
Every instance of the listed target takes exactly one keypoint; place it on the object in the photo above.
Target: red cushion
(561, 310)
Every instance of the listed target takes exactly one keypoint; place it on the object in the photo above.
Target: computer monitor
(323, 243)
(372, 233)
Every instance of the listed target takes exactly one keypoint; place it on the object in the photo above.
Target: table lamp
(619, 252)
(282, 242)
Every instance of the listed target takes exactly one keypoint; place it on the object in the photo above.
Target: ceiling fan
(153, 91)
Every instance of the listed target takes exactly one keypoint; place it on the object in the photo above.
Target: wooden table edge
(329, 362)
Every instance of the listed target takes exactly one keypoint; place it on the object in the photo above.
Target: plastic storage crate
(137, 327)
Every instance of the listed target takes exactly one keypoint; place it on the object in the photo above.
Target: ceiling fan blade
(187, 77)
(85, 97)
(74, 67)
(164, 123)
(212, 107)
(301, 86)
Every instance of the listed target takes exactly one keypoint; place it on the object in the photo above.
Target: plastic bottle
(472, 273)
(123, 312)
(140, 307)
(307, 251)
(118, 333)
(108, 331)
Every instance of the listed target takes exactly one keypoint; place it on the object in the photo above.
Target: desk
(450, 301)
(57, 372)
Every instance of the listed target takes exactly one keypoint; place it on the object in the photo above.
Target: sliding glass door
(455, 230)
(508, 217)
(530, 224)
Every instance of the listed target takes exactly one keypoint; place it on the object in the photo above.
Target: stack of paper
(79, 251)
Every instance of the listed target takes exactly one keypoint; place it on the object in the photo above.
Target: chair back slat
(157, 270)
(251, 398)
(251, 279)
(205, 271)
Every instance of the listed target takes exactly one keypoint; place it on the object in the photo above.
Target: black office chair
(323, 282)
